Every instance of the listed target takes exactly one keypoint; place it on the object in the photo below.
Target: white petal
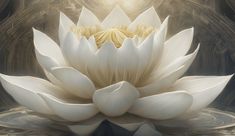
(177, 46)
(48, 53)
(162, 106)
(52, 78)
(127, 121)
(115, 99)
(87, 127)
(77, 52)
(64, 27)
(162, 83)
(149, 18)
(24, 90)
(92, 44)
(70, 111)
(117, 17)
(74, 81)
(87, 18)
(102, 65)
(127, 62)
(204, 89)
(150, 50)
(166, 76)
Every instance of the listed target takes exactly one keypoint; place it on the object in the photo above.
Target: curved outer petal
(24, 90)
(162, 106)
(115, 99)
(64, 27)
(70, 111)
(87, 18)
(164, 78)
(117, 17)
(148, 18)
(74, 81)
(52, 78)
(87, 127)
(182, 40)
(204, 89)
(48, 53)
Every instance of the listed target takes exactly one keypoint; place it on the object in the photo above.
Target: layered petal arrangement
(118, 70)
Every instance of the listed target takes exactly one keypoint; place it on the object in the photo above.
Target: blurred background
(214, 22)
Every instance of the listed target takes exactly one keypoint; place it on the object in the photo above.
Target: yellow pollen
(116, 35)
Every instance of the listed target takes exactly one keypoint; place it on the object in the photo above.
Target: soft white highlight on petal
(204, 89)
(52, 78)
(127, 121)
(117, 17)
(24, 90)
(115, 99)
(74, 81)
(87, 127)
(87, 18)
(177, 46)
(70, 111)
(148, 18)
(64, 27)
(48, 53)
(162, 106)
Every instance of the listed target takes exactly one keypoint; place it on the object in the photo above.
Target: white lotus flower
(117, 70)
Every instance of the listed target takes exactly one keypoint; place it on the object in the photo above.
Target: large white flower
(117, 70)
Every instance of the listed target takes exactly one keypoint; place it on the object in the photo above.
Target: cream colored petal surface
(74, 81)
(162, 106)
(87, 18)
(116, 99)
(64, 27)
(24, 90)
(48, 53)
(204, 89)
(117, 17)
(177, 46)
(70, 111)
(149, 18)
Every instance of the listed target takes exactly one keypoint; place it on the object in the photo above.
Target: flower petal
(87, 18)
(24, 90)
(160, 84)
(77, 52)
(117, 17)
(115, 99)
(127, 65)
(166, 76)
(182, 40)
(102, 65)
(127, 121)
(74, 81)
(149, 18)
(204, 89)
(64, 27)
(52, 78)
(162, 106)
(87, 127)
(48, 53)
(70, 111)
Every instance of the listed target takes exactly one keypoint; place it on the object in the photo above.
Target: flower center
(116, 34)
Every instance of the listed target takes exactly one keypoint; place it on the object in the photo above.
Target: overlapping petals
(126, 85)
